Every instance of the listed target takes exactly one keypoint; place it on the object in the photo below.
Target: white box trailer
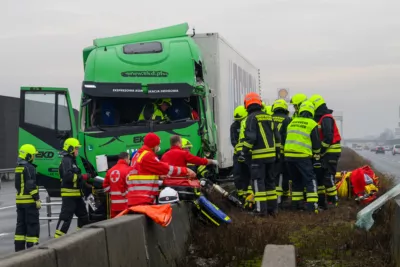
(230, 77)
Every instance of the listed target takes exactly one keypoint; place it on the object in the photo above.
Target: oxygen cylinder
(220, 190)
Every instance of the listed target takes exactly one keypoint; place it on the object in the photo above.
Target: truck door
(210, 125)
(46, 120)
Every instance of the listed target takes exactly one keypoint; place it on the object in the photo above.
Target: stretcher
(211, 212)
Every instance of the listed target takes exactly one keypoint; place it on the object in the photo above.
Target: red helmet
(252, 98)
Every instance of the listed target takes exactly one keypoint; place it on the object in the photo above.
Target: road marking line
(8, 207)
(5, 234)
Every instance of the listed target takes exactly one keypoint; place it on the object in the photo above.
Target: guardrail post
(48, 200)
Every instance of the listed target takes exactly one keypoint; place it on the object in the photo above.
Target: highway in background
(385, 163)
(8, 218)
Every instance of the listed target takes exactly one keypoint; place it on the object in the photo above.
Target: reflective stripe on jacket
(70, 176)
(155, 114)
(239, 145)
(298, 141)
(143, 178)
(335, 147)
(115, 184)
(25, 183)
(176, 156)
(261, 136)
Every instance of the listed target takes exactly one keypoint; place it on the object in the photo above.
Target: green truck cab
(125, 73)
(122, 75)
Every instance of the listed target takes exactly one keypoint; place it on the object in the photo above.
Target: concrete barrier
(131, 240)
(279, 256)
(86, 247)
(126, 240)
(31, 258)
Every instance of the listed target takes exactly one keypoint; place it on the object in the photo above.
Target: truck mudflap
(211, 212)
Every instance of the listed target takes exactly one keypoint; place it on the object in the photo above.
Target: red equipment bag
(187, 189)
(362, 180)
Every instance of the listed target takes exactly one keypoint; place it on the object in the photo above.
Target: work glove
(214, 162)
(317, 161)
(86, 176)
(38, 204)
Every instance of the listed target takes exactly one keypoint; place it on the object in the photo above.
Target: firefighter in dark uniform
(243, 180)
(239, 116)
(156, 111)
(302, 148)
(262, 144)
(330, 152)
(27, 199)
(72, 182)
(296, 101)
(282, 120)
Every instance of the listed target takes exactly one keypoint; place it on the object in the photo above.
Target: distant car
(373, 149)
(359, 148)
(387, 148)
(396, 149)
(380, 149)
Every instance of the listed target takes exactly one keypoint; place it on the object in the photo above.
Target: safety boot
(285, 203)
(322, 202)
(19, 246)
(333, 202)
(312, 207)
(297, 205)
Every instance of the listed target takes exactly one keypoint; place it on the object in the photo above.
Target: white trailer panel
(230, 77)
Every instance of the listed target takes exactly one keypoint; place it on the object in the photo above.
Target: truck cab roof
(166, 55)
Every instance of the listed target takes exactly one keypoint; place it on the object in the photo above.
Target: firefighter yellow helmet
(165, 100)
(307, 106)
(240, 113)
(186, 144)
(70, 144)
(317, 100)
(27, 152)
(280, 103)
(266, 109)
(297, 99)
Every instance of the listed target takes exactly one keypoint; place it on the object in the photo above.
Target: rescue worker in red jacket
(330, 152)
(143, 179)
(115, 184)
(179, 157)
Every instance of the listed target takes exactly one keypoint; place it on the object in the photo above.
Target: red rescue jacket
(115, 184)
(143, 179)
(336, 135)
(176, 156)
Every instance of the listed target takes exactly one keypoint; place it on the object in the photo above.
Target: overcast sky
(346, 50)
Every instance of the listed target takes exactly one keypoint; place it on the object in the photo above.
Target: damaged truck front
(122, 75)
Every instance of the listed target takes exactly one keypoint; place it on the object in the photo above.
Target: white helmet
(168, 195)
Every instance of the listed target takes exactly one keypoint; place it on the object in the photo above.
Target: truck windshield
(106, 112)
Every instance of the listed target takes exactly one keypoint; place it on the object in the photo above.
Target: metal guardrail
(48, 205)
(6, 173)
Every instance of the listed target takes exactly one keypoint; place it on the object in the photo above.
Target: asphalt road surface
(385, 163)
(8, 218)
